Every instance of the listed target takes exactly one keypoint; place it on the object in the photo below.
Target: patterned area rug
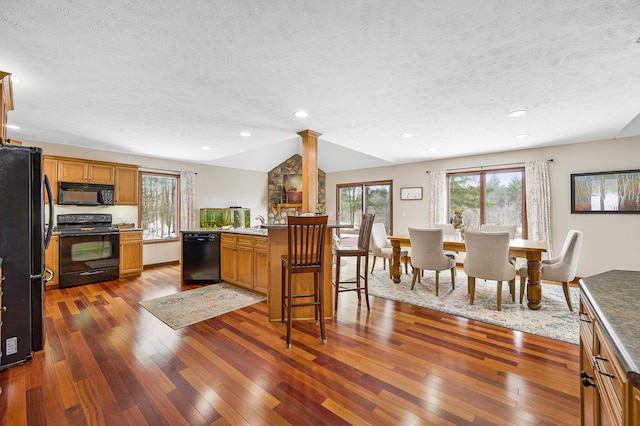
(192, 306)
(553, 320)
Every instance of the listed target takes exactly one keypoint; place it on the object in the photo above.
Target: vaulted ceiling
(165, 78)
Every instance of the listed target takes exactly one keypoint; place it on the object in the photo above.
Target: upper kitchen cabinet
(50, 168)
(82, 171)
(127, 185)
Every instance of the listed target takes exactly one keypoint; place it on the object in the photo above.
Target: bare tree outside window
(160, 206)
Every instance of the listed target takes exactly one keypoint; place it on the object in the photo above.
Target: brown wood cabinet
(84, 171)
(50, 168)
(130, 253)
(607, 396)
(126, 185)
(51, 259)
(244, 260)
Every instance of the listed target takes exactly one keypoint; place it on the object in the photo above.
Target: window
(354, 199)
(494, 197)
(160, 208)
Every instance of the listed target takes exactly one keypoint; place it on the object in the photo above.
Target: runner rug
(191, 306)
(553, 320)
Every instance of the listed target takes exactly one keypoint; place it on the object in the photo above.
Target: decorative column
(309, 170)
(6, 103)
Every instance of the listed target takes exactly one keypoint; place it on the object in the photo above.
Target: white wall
(215, 187)
(610, 240)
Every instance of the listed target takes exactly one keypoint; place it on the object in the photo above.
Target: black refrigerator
(22, 245)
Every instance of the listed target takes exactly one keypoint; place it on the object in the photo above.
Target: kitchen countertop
(245, 231)
(614, 297)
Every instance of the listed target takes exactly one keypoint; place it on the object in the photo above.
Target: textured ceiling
(164, 78)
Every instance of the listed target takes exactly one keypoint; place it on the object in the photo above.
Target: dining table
(530, 249)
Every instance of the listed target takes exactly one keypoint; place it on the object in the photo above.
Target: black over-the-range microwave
(85, 194)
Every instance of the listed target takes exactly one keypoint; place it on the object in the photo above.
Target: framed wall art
(413, 193)
(606, 192)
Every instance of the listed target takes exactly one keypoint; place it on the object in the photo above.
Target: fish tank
(211, 218)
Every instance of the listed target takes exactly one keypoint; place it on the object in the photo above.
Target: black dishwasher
(201, 257)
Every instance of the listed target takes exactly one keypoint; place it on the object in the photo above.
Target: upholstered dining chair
(487, 258)
(361, 253)
(305, 241)
(511, 229)
(447, 229)
(561, 268)
(381, 247)
(427, 254)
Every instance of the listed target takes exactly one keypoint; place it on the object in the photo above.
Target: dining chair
(361, 253)
(305, 255)
(561, 268)
(511, 229)
(381, 247)
(427, 254)
(487, 258)
(447, 229)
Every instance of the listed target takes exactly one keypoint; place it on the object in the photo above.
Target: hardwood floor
(109, 361)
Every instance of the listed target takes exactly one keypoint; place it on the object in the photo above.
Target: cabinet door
(101, 174)
(51, 261)
(127, 186)
(588, 395)
(227, 259)
(244, 267)
(72, 171)
(50, 168)
(130, 253)
(260, 270)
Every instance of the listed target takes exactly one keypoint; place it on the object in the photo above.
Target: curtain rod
(163, 170)
(488, 165)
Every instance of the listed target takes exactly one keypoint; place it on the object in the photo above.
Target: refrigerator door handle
(47, 239)
(50, 275)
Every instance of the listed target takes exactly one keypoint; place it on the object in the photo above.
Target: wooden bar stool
(360, 252)
(306, 237)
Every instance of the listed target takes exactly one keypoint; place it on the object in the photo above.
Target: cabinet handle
(597, 358)
(586, 315)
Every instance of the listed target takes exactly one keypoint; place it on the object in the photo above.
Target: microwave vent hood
(85, 194)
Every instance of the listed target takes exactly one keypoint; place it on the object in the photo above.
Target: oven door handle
(92, 272)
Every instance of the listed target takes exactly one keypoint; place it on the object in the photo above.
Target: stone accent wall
(277, 212)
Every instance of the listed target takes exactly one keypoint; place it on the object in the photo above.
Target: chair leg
(358, 275)
(320, 306)
(437, 282)
(283, 294)
(416, 272)
(366, 280)
(499, 295)
(512, 290)
(406, 266)
(453, 278)
(373, 264)
(289, 303)
(336, 284)
(471, 285)
(523, 284)
(567, 295)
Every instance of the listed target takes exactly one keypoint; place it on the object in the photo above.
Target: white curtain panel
(188, 213)
(439, 212)
(539, 202)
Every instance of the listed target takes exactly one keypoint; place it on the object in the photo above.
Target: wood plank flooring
(109, 361)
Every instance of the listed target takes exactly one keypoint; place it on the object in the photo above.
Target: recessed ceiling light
(245, 134)
(522, 136)
(301, 114)
(432, 149)
(206, 148)
(406, 135)
(11, 126)
(516, 113)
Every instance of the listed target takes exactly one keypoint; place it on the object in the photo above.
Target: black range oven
(89, 249)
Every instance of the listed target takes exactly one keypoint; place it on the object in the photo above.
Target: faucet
(260, 218)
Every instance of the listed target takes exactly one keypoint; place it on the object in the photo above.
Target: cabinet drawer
(245, 240)
(228, 239)
(262, 243)
(131, 236)
(587, 322)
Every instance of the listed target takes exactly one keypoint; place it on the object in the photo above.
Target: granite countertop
(244, 231)
(330, 224)
(614, 297)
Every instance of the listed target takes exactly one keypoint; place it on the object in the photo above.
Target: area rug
(553, 320)
(191, 306)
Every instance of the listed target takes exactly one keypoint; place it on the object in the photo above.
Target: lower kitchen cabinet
(130, 253)
(51, 259)
(244, 260)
